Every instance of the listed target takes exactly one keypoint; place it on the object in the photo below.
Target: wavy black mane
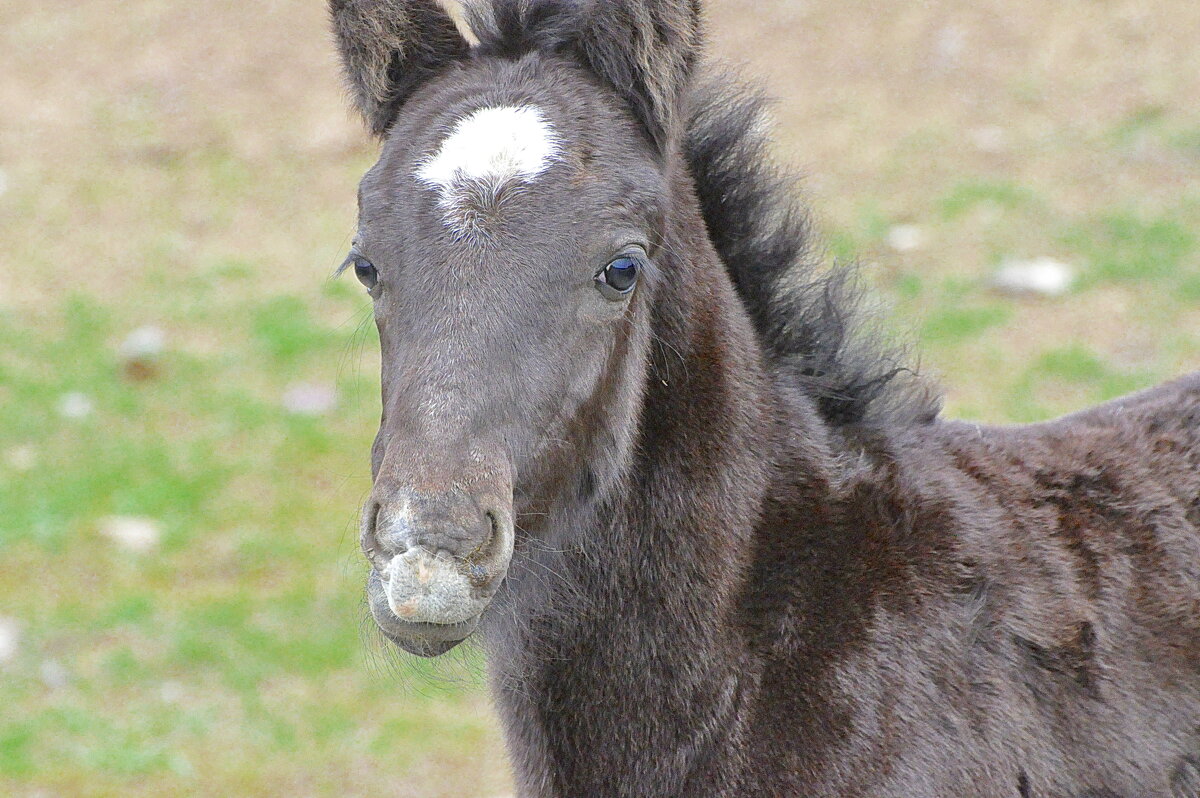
(812, 320)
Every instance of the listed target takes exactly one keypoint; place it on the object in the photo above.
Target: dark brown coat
(749, 558)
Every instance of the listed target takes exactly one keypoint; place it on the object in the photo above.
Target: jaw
(424, 641)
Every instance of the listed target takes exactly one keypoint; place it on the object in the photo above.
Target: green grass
(1130, 247)
(239, 640)
(970, 195)
(1026, 359)
(1069, 373)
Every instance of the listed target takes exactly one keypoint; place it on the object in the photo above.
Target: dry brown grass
(888, 107)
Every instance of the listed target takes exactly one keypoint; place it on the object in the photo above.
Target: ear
(388, 48)
(647, 50)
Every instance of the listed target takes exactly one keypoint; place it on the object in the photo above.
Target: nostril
(483, 560)
(378, 558)
(480, 552)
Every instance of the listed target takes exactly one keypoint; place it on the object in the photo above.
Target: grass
(238, 641)
(190, 168)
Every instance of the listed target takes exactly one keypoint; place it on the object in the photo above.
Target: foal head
(511, 238)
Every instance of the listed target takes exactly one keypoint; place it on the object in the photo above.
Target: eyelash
(364, 270)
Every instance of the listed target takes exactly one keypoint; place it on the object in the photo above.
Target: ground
(180, 593)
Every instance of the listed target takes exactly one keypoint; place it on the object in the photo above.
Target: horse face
(507, 238)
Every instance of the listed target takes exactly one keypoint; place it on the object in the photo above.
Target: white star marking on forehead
(493, 144)
(487, 149)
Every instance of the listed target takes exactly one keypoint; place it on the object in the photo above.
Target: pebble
(139, 535)
(10, 638)
(181, 765)
(990, 138)
(906, 238)
(949, 46)
(1040, 276)
(170, 692)
(21, 458)
(143, 342)
(309, 399)
(141, 351)
(75, 405)
(54, 674)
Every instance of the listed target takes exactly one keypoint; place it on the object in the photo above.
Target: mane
(812, 320)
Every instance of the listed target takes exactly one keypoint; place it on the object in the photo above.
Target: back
(1089, 587)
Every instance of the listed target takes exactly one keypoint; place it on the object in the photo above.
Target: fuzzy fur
(812, 320)
(750, 560)
(388, 47)
(645, 51)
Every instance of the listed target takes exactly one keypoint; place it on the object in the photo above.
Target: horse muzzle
(437, 561)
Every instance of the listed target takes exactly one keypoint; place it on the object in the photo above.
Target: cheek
(557, 412)
(568, 367)
(564, 373)
(586, 374)
(597, 312)
(604, 359)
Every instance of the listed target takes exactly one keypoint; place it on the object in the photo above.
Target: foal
(716, 541)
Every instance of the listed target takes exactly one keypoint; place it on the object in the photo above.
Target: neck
(617, 659)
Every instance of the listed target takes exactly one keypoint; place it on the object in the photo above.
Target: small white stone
(21, 458)
(181, 765)
(133, 533)
(906, 237)
(1042, 276)
(170, 692)
(10, 638)
(54, 674)
(989, 138)
(75, 405)
(949, 46)
(143, 343)
(309, 399)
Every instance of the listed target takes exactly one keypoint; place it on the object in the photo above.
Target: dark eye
(364, 270)
(617, 279)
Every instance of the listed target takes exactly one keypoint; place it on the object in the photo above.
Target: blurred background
(187, 399)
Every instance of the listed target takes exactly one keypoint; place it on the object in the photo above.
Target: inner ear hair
(388, 48)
